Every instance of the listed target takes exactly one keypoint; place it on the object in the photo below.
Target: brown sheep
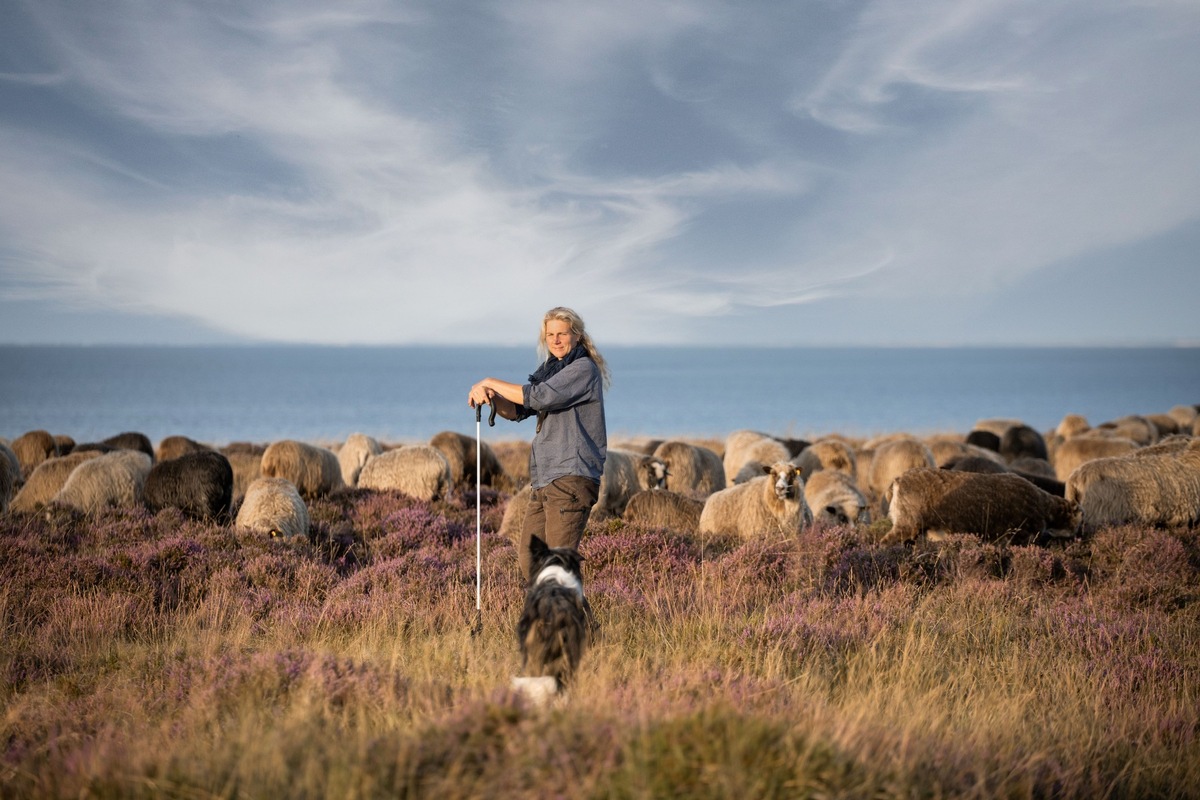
(771, 503)
(1157, 485)
(691, 469)
(661, 508)
(946, 450)
(625, 474)
(10, 476)
(827, 454)
(1080, 449)
(174, 446)
(892, 459)
(313, 470)
(1072, 425)
(1184, 416)
(47, 479)
(744, 446)
(835, 499)
(935, 502)
(247, 468)
(459, 450)
(1133, 426)
(32, 448)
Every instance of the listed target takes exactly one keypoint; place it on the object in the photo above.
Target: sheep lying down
(935, 502)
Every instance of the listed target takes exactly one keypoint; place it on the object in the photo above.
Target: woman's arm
(488, 389)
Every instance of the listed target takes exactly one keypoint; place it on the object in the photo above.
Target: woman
(566, 393)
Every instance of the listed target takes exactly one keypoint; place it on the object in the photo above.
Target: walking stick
(477, 628)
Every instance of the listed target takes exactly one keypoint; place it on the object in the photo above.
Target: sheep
(1165, 424)
(175, 446)
(459, 451)
(769, 503)
(1184, 416)
(996, 425)
(274, 507)
(32, 448)
(947, 450)
(514, 515)
(662, 508)
(131, 440)
(109, 479)
(10, 476)
(744, 446)
(691, 468)
(200, 484)
(986, 440)
(893, 459)
(826, 454)
(419, 471)
(353, 454)
(247, 468)
(625, 474)
(46, 480)
(835, 499)
(313, 470)
(1133, 426)
(1072, 425)
(1157, 486)
(935, 502)
(514, 462)
(1080, 449)
(1044, 482)
(1021, 441)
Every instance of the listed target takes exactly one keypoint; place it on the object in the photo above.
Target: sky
(818, 172)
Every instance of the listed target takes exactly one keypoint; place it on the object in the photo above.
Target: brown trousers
(558, 514)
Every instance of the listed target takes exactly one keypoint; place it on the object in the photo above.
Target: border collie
(556, 625)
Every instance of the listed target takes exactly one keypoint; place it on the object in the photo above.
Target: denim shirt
(572, 439)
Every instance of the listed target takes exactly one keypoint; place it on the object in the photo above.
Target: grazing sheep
(975, 464)
(131, 440)
(47, 479)
(691, 468)
(199, 483)
(770, 503)
(419, 471)
(353, 454)
(274, 507)
(247, 468)
(1184, 417)
(514, 463)
(1022, 441)
(1132, 426)
(1165, 424)
(625, 474)
(936, 502)
(32, 448)
(1081, 449)
(109, 479)
(826, 454)
(175, 446)
(744, 446)
(1072, 425)
(662, 508)
(996, 425)
(64, 443)
(835, 499)
(892, 460)
(14, 463)
(313, 470)
(946, 450)
(1157, 486)
(985, 440)
(459, 451)
(514, 515)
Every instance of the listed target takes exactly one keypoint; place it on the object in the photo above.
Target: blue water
(404, 394)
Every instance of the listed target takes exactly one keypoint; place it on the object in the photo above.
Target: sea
(321, 394)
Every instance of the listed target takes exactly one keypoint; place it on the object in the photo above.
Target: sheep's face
(655, 470)
(787, 481)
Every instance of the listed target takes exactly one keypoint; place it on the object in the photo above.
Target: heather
(150, 655)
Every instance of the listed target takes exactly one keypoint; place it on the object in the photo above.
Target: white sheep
(835, 499)
(313, 470)
(827, 454)
(891, 460)
(1086, 447)
(353, 454)
(662, 508)
(514, 515)
(109, 479)
(1158, 485)
(772, 503)
(273, 506)
(744, 446)
(47, 479)
(419, 471)
(691, 468)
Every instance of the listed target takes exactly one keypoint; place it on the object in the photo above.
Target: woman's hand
(480, 394)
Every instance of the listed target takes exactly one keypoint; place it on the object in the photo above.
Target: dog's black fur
(556, 625)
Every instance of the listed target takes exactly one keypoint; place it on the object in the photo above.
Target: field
(155, 656)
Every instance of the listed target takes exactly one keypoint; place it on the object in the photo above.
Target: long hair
(564, 314)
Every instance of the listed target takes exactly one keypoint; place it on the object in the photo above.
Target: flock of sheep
(1001, 480)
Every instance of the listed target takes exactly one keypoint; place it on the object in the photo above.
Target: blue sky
(908, 172)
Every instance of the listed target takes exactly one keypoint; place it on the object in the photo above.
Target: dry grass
(158, 657)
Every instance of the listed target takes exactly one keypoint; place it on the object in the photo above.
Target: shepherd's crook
(477, 628)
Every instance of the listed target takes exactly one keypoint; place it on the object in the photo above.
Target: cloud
(429, 172)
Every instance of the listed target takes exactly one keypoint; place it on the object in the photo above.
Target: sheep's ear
(766, 468)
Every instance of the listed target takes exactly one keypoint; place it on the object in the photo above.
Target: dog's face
(565, 560)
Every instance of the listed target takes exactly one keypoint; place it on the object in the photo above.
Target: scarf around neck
(553, 365)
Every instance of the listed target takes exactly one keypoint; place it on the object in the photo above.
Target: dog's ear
(537, 546)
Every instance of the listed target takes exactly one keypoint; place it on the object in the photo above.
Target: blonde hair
(564, 314)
